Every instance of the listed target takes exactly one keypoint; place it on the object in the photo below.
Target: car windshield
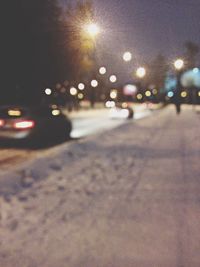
(99, 133)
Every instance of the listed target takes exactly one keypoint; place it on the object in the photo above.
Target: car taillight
(1, 123)
(28, 124)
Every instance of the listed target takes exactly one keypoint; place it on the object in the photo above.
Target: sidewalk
(128, 197)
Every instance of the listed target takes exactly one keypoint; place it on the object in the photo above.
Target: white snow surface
(126, 197)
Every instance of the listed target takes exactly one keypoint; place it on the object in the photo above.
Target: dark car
(40, 123)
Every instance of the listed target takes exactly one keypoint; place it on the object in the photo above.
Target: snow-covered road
(93, 121)
(128, 197)
(85, 123)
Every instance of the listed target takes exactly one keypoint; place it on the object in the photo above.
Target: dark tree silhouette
(34, 47)
(81, 44)
(157, 71)
(192, 51)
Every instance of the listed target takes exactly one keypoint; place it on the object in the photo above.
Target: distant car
(121, 111)
(33, 123)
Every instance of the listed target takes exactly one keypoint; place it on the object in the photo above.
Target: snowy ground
(127, 197)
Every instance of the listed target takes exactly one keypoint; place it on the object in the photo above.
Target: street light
(92, 29)
(102, 70)
(141, 72)
(48, 91)
(148, 93)
(81, 86)
(127, 56)
(183, 94)
(80, 96)
(179, 64)
(94, 83)
(113, 94)
(73, 91)
(113, 78)
(139, 96)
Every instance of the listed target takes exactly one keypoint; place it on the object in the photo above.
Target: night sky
(146, 27)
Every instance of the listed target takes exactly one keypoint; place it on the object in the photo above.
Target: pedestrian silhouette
(178, 108)
(177, 102)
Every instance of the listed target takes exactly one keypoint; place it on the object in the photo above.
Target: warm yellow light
(155, 91)
(55, 112)
(54, 106)
(184, 94)
(179, 64)
(80, 96)
(127, 56)
(102, 70)
(113, 78)
(94, 83)
(48, 91)
(81, 86)
(113, 94)
(110, 104)
(148, 93)
(124, 105)
(141, 72)
(92, 29)
(16, 113)
(139, 96)
(199, 94)
(73, 91)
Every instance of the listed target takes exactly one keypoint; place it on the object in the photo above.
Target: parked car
(35, 123)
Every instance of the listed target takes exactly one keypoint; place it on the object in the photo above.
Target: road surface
(84, 123)
(128, 197)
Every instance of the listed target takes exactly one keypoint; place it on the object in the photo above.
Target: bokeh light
(127, 56)
(102, 70)
(141, 72)
(113, 78)
(73, 91)
(94, 83)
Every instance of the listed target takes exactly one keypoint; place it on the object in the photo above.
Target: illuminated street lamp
(94, 83)
(183, 94)
(73, 91)
(102, 70)
(179, 64)
(141, 72)
(148, 93)
(127, 56)
(113, 78)
(113, 94)
(81, 86)
(139, 96)
(92, 29)
(48, 91)
(80, 96)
